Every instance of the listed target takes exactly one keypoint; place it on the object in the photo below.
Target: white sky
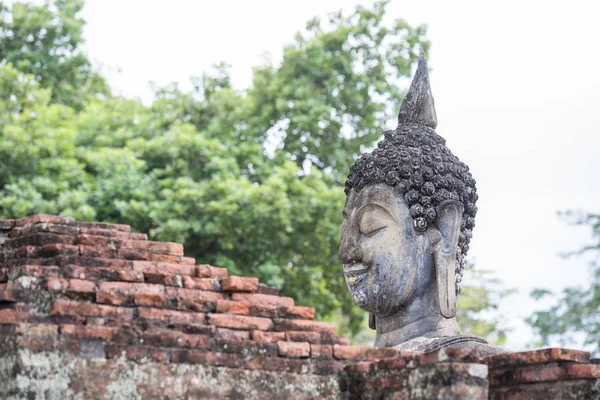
(517, 94)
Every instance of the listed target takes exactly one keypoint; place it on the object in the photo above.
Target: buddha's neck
(421, 318)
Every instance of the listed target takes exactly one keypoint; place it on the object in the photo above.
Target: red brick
(245, 347)
(232, 307)
(89, 262)
(151, 300)
(171, 317)
(269, 337)
(53, 249)
(239, 321)
(193, 296)
(206, 358)
(27, 252)
(43, 218)
(550, 373)
(166, 280)
(456, 353)
(102, 273)
(7, 224)
(77, 272)
(303, 336)
(135, 244)
(188, 260)
(94, 310)
(8, 316)
(170, 338)
(584, 371)
(130, 276)
(37, 239)
(346, 352)
(239, 284)
(71, 285)
(297, 311)
(132, 287)
(264, 289)
(112, 233)
(114, 297)
(293, 349)
(151, 267)
(133, 254)
(174, 249)
(98, 251)
(36, 344)
(9, 295)
(96, 240)
(282, 324)
(257, 298)
(542, 356)
(190, 282)
(39, 330)
(321, 350)
(105, 333)
(35, 271)
(137, 236)
(101, 225)
(232, 334)
(379, 353)
(208, 271)
(264, 310)
(164, 258)
(59, 229)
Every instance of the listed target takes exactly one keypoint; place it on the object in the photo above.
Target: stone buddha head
(408, 218)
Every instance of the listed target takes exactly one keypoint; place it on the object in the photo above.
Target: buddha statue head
(409, 213)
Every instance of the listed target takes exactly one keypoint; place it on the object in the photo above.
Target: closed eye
(373, 232)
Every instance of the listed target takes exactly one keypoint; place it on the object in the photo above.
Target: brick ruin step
(117, 311)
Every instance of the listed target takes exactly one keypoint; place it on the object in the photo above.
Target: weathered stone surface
(410, 190)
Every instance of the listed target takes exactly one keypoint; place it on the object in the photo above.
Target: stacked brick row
(94, 290)
(452, 374)
(544, 374)
(92, 310)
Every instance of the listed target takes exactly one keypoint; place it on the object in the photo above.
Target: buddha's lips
(355, 272)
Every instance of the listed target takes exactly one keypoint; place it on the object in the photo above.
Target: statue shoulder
(462, 341)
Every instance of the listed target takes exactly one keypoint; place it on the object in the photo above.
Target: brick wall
(92, 310)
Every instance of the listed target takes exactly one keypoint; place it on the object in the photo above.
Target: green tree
(220, 170)
(45, 41)
(336, 86)
(577, 309)
(477, 308)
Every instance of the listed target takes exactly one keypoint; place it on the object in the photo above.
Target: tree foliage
(477, 308)
(45, 42)
(576, 309)
(221, 170)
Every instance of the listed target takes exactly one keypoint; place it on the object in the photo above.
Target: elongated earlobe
(449, 217)
(372, 321)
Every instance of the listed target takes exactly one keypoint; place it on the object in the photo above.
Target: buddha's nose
(349, 250)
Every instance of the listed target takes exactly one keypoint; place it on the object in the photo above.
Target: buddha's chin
(359, 292)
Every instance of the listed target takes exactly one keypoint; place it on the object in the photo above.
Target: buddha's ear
(372, 321)
(449, 217)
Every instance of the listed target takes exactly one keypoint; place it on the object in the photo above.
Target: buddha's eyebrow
(383, 206)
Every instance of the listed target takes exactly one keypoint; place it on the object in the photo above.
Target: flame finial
(418, 105)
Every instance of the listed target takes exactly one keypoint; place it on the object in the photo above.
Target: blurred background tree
(577, 309)
(249, 180)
